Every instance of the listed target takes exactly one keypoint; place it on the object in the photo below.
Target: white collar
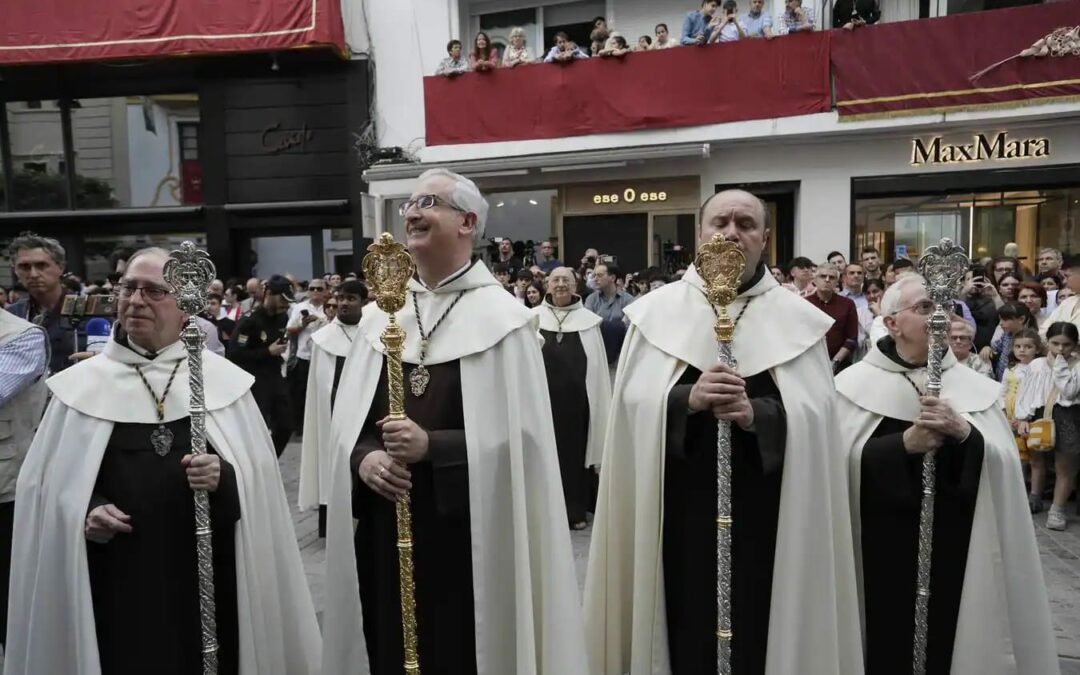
(457, 273)
(575, 318)
(884, 387)
(677, 319)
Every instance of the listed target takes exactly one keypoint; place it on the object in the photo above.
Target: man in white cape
(579, 386)
(495, 586)
(988, 608)
(330, 345)
(650, 593)
(103, 572)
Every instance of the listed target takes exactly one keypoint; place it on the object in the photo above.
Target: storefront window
(983, 223)
(37, 156)
(137, 151)
(525, 217)
(100, 253)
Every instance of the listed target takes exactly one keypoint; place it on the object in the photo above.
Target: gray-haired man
(39, 264)
(476, 454)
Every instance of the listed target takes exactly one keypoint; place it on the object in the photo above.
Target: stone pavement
(1060, 553)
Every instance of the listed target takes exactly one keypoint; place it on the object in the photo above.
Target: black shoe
(1036, 503)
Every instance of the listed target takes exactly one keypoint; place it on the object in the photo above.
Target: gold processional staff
(189, 272)
(388, 269)
(943, 266)
(720, 264)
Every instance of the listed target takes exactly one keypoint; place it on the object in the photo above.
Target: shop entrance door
(624, 236)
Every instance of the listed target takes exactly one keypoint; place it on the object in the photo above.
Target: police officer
(259, 348)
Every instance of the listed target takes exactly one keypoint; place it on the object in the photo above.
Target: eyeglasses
(331, 306)
(959, 338)
(149, 292)
(316, 288)
(922, 308)
(428, 202)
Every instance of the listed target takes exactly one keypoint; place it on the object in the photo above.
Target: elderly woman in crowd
(483, 56)
(517, 53)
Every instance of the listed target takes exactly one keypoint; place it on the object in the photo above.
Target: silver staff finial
(189, 271)
(944, 266)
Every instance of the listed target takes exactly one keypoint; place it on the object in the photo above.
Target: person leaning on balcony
(796, 18)
(564, 50)
(599, 36)
(850, 14)
(757, 22)
(517, 53)
(695, 27)
(483, 56)
(453, 64)
(729, 27)
(663, 38)
(616, 46)
(644, 43)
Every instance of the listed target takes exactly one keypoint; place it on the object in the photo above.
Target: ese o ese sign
(629, 196)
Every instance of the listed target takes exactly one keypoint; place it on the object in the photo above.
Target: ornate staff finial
(721, 264)
(189, 271)
(944, 266)
(387, 269)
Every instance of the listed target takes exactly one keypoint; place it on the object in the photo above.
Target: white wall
(824, 170)
(409, 39)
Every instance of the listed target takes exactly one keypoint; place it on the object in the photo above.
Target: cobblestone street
(1060, 553)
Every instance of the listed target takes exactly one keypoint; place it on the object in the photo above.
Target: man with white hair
(495, 588)
(988, 609)
(104, 544)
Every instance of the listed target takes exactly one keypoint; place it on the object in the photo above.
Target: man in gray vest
(24, 357)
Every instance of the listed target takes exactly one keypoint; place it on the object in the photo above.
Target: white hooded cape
(327, 344)
(597, 375)
(50, 613)
(527, 611)
(813, 620)
(1004, 624)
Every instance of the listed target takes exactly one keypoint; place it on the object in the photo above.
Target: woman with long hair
(483, 56)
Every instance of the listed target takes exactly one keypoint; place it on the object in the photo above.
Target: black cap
(279, 285)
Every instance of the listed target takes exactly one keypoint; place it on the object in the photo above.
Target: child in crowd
(1054, 382)
(1012, 318)
(961, 341)
(1027, 346)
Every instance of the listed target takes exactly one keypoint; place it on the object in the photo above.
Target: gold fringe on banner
(963, 107)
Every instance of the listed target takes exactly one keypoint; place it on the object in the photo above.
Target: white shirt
(303, 339)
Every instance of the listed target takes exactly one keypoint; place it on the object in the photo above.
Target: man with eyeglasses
(305, 318)
(259, 348)
(104, 549)
(329, 347)
(475, 455)
(985, 564)
(843, 336)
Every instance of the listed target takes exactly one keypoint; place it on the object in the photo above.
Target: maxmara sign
(982, 148)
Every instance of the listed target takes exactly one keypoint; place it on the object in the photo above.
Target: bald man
(650, 603)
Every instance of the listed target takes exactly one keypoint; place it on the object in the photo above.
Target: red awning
(745, 80)
(959, 62)
(47, 31)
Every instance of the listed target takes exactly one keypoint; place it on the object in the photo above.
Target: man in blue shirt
(695, 27)
(547, 261)
(758, 23)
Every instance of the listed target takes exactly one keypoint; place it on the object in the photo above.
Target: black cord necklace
(420, 377)
(161, 439)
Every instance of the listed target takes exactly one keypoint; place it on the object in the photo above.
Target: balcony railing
(908, 67)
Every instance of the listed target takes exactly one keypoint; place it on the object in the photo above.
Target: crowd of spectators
(714, 22)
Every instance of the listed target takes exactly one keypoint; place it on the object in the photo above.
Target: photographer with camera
(39, 264)
(586, 273)
(983, 300)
